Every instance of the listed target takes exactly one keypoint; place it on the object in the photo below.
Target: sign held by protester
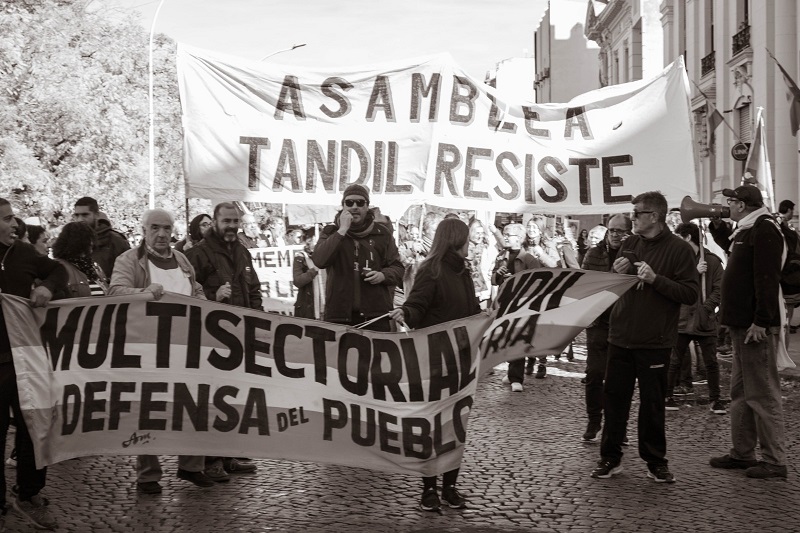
(425, 132)
(130, 375)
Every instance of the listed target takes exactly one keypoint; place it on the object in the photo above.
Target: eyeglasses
(205, 224)
(619, 231)
(635, 214)
(351, 203)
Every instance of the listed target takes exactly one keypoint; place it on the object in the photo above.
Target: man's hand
(40, 296)
(224, 291)
(702, 267)
(644, 272)
(397, 315)
(374, 277)
(502, 271)
(345, 220)
(621, 265)
(157, 289)
(755, 334)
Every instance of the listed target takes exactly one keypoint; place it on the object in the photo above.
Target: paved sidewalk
(525, 469)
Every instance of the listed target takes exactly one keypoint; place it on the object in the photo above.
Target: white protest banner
(130, 375)
(425, 132)
(273, 267)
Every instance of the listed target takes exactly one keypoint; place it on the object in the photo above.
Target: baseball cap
(748, 194)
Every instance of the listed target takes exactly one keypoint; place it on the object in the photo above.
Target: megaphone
(691, 209)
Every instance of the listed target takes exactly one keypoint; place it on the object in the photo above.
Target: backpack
(790, 273)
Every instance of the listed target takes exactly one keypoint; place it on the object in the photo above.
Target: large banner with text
(131, 375)
(424, 131)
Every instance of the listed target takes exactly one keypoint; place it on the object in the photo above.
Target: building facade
(726, 44)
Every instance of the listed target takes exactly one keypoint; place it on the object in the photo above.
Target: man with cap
(751, 309)
(361, 261)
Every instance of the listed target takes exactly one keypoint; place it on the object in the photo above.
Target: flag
(757, 169)
(713, 119)
(792, 96)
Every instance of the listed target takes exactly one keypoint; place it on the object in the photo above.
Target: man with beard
(224, 267)
(250, 236)
(361, 260)
(108, 243)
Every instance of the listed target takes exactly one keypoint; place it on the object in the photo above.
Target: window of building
(745, 124)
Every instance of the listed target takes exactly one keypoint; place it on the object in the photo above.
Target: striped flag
(757, 168)
(713, 119)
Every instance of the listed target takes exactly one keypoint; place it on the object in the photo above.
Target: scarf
(362, 230)
(85, 265)
(748, 222)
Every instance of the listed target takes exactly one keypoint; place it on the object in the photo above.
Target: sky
(477, 33)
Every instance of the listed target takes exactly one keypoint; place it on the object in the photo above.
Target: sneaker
(660, 473)
(541, 372)
(726, 461)
(198, 478)
(149, 487)
(765, 470)
(516, 387)
(671, 405)
(506, 380)
(15, 494)
(700, 381)
(529, 364)
(35, 512)
(216, 472)
(235, 466)
(605, 469)
(430, 501)
(453, 498)
(681, 390)
(592, 430)
(718, 408)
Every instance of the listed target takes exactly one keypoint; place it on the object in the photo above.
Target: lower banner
(131, 375)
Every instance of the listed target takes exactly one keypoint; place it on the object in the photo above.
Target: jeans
(756, 410)
(708, 348)
(148, 467)
(30, 479)
(596, 359)
(625, 366)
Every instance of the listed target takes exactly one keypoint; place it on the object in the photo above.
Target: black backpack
(790, 273)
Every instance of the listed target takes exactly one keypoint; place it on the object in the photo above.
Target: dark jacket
(751, 280)
(108, 245)
(215, 263)
(523, 261)
(20, 266)
(436, 300)
(302, 277)
(646, 317)
(343, 258)
(700, 318)
(600, 258)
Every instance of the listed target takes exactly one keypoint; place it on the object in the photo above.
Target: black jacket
(701, 318)
(346, 293)
(302, 277)
(20, 266)
(436, 300)
(751, 280)
(108, 245)
(215, 263)
(646, 317)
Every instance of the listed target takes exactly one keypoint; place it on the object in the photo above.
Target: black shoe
(430, 501)
(541, 372)
(660, 473)
(453, 498)
(235, 466)
(149, 487)
(198, 478)
(671, 405)
(583, 381)
(592, 430)
(605, 469)
(529, 364)
(765, 470)
(726, 461)
(718, 408)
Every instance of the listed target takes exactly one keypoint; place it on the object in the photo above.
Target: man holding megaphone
(751, 310)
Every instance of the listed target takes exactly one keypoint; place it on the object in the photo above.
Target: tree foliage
(74, 112)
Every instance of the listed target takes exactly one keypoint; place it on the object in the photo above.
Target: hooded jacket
(108, 244)
(646, 316)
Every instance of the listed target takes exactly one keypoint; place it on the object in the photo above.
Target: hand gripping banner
(130, 375)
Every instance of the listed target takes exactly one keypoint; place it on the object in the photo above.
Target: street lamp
(152, 115)
(293, 47)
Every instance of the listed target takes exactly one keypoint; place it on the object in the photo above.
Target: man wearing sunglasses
(362, 264)
(751, 309)
(643, 328)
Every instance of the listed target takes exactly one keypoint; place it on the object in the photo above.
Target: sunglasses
(359, 203)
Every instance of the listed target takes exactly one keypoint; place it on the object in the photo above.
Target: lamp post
(293, 47)
(152, 114)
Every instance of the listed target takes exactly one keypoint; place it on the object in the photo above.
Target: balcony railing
(741, 40)
(707, 64)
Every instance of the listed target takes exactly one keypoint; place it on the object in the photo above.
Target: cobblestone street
(525, 469)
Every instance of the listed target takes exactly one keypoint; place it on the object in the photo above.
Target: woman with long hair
(303, 274)
(197, 227)
(39, 237)
(443, 291)
(479, 258)
(73, 249)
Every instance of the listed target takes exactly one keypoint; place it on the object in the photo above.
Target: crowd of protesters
(382, 277)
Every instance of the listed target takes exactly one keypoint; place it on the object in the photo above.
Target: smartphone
(630, 256)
